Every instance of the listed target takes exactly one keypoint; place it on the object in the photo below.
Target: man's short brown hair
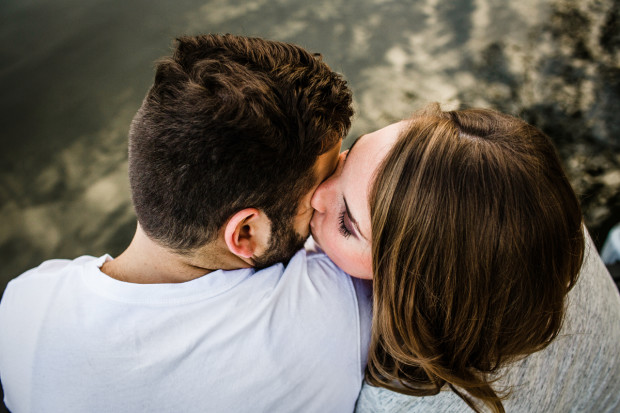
(231, 122)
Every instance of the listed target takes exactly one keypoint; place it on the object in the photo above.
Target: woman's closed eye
(344, 231)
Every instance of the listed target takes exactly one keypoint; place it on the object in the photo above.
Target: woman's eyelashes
(343, 227)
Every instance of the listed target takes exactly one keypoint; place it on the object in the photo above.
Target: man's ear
(247, 233)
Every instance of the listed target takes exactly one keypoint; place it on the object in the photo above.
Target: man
(224, 155)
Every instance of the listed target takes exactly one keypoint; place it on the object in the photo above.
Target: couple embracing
(448, 268)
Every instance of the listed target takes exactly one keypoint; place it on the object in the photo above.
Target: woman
(473, 237)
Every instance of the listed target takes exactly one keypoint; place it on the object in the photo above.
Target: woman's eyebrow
(353, 220)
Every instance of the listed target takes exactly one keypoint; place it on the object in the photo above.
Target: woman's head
(341, 221)
(476, 239)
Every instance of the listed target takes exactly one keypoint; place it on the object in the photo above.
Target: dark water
(72, 74)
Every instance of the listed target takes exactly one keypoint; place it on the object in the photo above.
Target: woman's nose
(318, 198)
(323, 192)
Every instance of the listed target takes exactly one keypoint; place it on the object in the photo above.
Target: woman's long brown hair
(476, 240)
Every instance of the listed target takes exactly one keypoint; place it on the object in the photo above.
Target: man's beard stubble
(283, 244)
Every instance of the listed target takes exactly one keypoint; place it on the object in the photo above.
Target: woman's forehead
(371, 148)
(363, 159)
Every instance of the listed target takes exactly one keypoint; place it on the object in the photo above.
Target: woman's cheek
(336, 249)
(358, 262)
(348, 260)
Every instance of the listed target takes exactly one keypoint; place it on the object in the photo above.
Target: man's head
(232, 129)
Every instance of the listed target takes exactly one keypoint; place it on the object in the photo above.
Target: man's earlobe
(247, 233)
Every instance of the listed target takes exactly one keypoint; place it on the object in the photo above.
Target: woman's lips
(312, 230)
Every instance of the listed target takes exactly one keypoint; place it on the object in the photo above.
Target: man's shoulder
(316, 268)
(309, 277)
(320, 261)
(52, 271)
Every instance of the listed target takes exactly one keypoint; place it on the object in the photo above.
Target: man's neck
(147, 262)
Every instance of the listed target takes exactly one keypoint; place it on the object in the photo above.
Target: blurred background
(73, 73)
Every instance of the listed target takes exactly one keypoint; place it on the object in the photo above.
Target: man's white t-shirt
(283, 339)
